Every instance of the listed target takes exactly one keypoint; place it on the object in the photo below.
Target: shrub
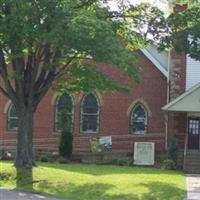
(168, 164)
(123, 161)
(62, 160)
(6, 155)
(95, 145)
(44, 158)
(53, 157)
(66, 136)
(5, 175)
(173, 150)
(160, 158)
(2, 153)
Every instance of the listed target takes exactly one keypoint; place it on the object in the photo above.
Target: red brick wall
(114, 117)
(178, 67)
(177, 75)
(177, 124)
(180, 7)
(177, 127)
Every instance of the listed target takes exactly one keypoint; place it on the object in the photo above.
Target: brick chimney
(177, 67)
(180, 7)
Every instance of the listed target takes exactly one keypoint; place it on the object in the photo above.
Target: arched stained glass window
(90, 114)
(12, 118)
(139, 120)
(64, 103)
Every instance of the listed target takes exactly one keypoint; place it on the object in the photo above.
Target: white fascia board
(155, 62)
(188, 92)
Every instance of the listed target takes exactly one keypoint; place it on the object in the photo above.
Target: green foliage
(6, 155)
(62, 160)
(53, 157)
(122, 160)
(189, 2)
(95, 145)
(87, 79)
(168, 164)
(2, 152)
(160, 158)
(181, 31)
(145, 21)
(44, 158)
(173, 150)
(66, 137)
(62, 43)
(5, 175)
(68, 32)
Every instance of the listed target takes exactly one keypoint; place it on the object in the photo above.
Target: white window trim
(96, 114)
(9, 118)
(56, 131)
(146, 120)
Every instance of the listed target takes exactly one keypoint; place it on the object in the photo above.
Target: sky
(162, 4)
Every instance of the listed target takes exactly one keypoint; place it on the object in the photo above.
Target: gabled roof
(187, 102)
(157, 64)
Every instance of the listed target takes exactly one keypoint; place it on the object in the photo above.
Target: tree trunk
(24, 157)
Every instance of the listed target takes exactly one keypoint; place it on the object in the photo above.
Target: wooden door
(194, 133)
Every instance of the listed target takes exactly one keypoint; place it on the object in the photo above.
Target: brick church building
(165, 104)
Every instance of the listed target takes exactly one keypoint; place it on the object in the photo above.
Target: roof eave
(155, 62)
(169, 106)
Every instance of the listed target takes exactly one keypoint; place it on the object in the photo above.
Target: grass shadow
(86, 191)
(163, 191)
(24, 178)
(51, 180)
(156, 191)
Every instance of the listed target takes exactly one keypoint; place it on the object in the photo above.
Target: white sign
(106, 143)
(144, 153)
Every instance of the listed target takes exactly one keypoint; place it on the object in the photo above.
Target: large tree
(52, 42)
(181, 29)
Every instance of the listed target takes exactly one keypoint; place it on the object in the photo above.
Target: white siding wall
(192, 73)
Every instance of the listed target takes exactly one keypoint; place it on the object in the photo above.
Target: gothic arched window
(139, 120)
(12, 118)
(89, 114)
(64, 103)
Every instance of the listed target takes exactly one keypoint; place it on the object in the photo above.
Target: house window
(12, 118)
(90, 114)
(64, 103)
(139, 120)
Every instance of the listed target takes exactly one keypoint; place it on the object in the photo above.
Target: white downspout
(168, 99)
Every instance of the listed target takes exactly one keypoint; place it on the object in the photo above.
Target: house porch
(183, 122)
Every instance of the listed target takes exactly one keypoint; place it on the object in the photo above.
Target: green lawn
(96, 182)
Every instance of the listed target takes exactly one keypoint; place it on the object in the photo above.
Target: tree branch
(4, 75)
(4, 92)
(85, 3)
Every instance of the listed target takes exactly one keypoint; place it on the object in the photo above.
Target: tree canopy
(48, 40)
(181, 31)
(59, 42)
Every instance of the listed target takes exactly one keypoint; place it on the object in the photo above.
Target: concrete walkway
(6, 194)
(193, 187)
